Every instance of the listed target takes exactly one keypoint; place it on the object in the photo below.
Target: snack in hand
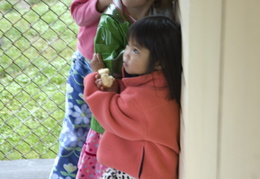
(107, 80)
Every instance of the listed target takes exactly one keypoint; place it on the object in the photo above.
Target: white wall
(240, 91)
(221, 89)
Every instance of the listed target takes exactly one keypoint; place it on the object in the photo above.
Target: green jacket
(110, 42)
(111, 38)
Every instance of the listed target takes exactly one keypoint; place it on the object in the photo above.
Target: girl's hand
(100, 86)
(96, 63)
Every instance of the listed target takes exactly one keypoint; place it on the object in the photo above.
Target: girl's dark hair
(162, 37)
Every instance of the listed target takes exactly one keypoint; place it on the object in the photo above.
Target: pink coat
(87, 17)
(141, 126)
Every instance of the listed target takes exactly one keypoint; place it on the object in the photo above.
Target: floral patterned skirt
(76, 123)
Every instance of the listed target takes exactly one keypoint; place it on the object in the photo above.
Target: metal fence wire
(37, 40)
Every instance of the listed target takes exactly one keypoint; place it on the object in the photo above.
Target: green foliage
(37, 41)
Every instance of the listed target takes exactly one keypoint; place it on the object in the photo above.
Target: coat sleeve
(84, 12)
(117, 113)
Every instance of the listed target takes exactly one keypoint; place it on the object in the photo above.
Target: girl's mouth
(125, 64)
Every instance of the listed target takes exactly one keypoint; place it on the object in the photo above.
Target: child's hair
(162, 37)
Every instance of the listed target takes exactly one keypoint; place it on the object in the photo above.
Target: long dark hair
(162, 37)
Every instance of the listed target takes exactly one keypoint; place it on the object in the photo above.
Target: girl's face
(136, 59)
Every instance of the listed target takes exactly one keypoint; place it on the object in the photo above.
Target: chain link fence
(37, 39)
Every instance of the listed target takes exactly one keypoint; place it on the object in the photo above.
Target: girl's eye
(135, 50)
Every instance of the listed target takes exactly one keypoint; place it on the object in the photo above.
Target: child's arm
(119, 115)
(87, 12)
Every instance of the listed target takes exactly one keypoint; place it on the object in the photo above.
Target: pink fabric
(88, 167)
(141, 126)
(87, 17)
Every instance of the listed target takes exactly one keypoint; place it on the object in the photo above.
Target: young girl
(110, 42)
(140, 113)
(86, 14)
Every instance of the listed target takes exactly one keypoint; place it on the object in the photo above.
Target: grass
(37, 42)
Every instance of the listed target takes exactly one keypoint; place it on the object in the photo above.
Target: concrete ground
(26, 169)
